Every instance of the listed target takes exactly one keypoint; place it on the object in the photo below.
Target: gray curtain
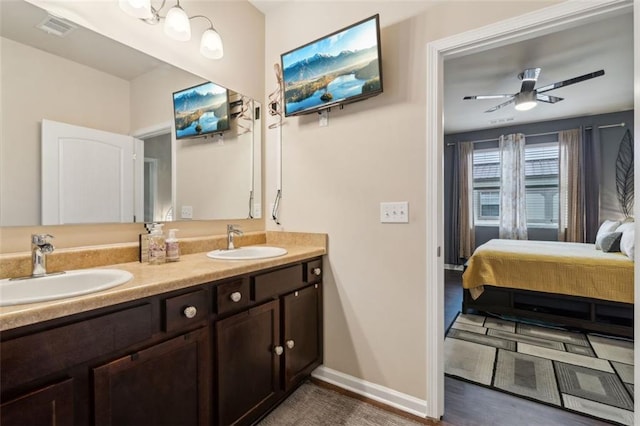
(465, 210)
(571, 170)
(452, 231)
(592, 175)
(513, 200)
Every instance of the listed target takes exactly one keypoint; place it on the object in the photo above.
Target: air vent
(56, 26)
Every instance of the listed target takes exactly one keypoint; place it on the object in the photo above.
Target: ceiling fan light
(137, 8)
(176, 24)
(211, 44)
(526, 106)
(526, 101)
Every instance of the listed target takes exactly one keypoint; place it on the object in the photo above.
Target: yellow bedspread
(550, 266)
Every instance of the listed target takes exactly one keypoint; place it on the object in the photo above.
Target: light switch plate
(394, 212)
(186, 212)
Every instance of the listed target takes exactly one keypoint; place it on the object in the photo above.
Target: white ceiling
(18, 21)
(606, 44)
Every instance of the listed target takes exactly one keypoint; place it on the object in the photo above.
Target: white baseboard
(453, 267)
(382, 394)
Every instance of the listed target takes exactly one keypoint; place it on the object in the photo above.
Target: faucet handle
(40, 239)
(233, 228)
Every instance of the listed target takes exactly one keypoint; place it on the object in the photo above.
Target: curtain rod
(606, 126)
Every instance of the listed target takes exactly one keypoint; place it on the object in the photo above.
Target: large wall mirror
(83, 79)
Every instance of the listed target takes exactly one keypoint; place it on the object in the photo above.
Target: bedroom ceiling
(606, 44)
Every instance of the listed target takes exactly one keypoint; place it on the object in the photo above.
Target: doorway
(534, 24)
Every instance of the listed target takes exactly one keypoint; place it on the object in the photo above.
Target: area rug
(585, 373)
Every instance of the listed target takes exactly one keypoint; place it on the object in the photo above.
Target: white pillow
(627, 226)
(607, 227)
(627, 243)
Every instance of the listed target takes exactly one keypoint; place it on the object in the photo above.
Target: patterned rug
(586, 373)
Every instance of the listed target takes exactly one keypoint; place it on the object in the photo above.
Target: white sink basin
(59, 286)
(247, 253)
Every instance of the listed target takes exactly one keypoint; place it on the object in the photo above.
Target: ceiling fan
(528, 95)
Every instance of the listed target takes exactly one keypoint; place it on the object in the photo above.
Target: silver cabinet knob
(316, 271)
(190, 311)
(290, 344)
(278, 350)
(236, 296)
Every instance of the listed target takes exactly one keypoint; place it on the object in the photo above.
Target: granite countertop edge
(151, 280)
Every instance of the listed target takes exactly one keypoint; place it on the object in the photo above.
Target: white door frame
(534, 24)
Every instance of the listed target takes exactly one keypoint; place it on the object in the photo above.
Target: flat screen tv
(201, 110)
(339, 68)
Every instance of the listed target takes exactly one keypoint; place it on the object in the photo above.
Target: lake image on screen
(332, 69)
(201, 110)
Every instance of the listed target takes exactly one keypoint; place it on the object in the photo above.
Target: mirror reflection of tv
(201, 110)
(342, 67)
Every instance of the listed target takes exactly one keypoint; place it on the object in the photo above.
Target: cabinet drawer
(313, 271)
(277, 282)
(185, 310)
(232, 295)
(27, 358)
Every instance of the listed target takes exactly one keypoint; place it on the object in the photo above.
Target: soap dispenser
(157, 246)
(173, 248)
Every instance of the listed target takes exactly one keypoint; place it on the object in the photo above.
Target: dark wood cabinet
(50, 405)
(265, 351)
(248, 363)
(218, 353)
(166, 384)
(302, 338)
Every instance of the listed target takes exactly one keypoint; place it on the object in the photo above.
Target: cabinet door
(302, 318)
(166, 384)
(248, 364)
(52, 405)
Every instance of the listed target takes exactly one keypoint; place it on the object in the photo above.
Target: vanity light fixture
(176, 24)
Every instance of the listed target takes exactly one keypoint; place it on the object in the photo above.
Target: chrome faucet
(231, 231)
(40, 247)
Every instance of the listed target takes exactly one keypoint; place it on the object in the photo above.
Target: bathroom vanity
(198, 342)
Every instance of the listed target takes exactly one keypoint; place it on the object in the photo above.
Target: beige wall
(242, 30)
(37, 85)
(335, 177)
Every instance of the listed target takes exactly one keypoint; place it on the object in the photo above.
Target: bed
(566, 284)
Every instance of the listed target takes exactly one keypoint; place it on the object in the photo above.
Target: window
(541, 171)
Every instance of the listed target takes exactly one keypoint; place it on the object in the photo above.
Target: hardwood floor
(467, 404)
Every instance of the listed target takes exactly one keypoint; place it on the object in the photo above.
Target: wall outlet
(257, 210)
(186, 212)
(394, 212)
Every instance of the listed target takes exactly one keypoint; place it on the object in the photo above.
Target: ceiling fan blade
(466, 98)
(571, 81)
(504, 104)
(548, 98)
(529, 78)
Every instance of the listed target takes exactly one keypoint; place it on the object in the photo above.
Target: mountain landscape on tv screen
(197, 113)
(324, 78)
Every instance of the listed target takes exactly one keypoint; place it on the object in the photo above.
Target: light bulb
(211, 44)
(176, 24)
(137, 8)
(526, 100)
(526, 106)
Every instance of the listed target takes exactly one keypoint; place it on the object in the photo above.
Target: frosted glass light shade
(176, 24)
(211, 44)
(136, 8)
(526, 101)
